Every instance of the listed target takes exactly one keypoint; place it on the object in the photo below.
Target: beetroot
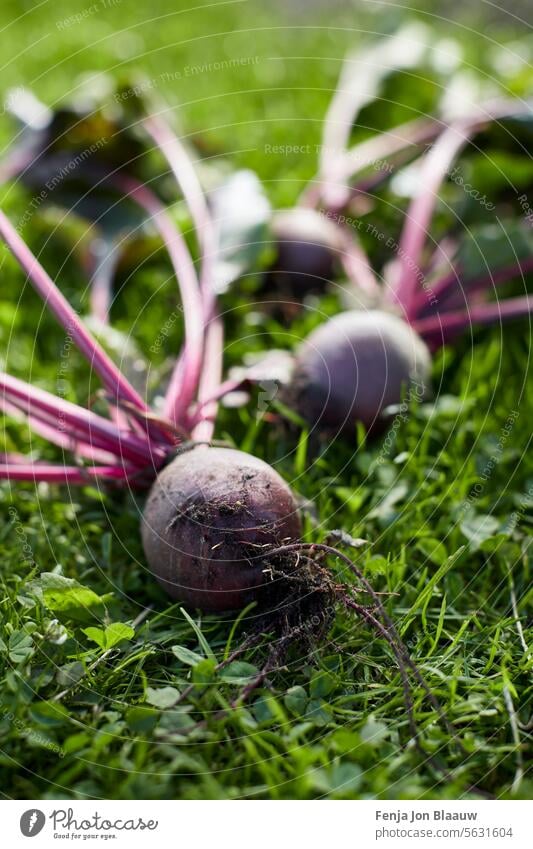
(358, 363)
(210, 517)
(220, 528)
(307, 244)
(354, 366)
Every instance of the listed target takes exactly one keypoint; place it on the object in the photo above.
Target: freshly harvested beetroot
(220, 528)
(355, 365)
(210, 518)
(307, 244)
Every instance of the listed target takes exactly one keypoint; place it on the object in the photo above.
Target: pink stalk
(110, 375)
(93, 429)
(66, 441)
(444, 287)
(418, 217)
(370, 182)
(186, 177)
(434, 170)
(388, 145)
(359, 84)
(186, 374)
(491, 313)
(54, 473)
(221, 390)
(12, 458)
(102, 284)
(356, 264)
(443, 256)
(210, 380)
(182, 168)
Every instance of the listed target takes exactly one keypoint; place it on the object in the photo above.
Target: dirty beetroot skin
(354, 365)
(205, 519)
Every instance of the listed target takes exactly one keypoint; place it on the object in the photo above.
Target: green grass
(81, 717)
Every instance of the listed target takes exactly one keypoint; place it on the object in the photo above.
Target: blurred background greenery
(243, 72)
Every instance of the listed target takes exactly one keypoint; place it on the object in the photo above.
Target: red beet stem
(185, 377)
(102, 285)
(211, 370)
(492, 313)
(184, 172)
(111, 376)
(211, 380)
(55, 473)
(77, 422)
(356, 263)
(51, 433)
(434, 170)
(444, 287)
(359, 84)
(393, 146)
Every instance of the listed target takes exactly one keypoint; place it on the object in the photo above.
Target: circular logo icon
(32, 822)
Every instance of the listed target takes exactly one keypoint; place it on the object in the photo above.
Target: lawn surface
(445, 501)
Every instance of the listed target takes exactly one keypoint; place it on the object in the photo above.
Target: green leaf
(385, 511)
(174, 722)
(204, 672)
(432, 549)
(116, 632)
(142, 720)
(70, 674)
(321, 685)
(106, 545)
(493, 543)
(190, 658)
(76, 742)
(345, 778)
(20, 647)
(377, 565)
(494, 246)
(263, 709)
(478, 528)
(96, 635)
(373, 732)
(49, 714)
(95, 142)
(296, 700)
(111, 635)
(445, 406)
(68, 598)
(318, 712)
(239, 672)
(162, 697)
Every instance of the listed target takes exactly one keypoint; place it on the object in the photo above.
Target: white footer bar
(267, 825)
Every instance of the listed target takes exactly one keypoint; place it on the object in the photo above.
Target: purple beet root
(355, 365)
(307, 244)
(211, 517)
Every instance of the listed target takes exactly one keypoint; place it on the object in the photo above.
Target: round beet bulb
(307, 244)
(210, 518)
(355, 365)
